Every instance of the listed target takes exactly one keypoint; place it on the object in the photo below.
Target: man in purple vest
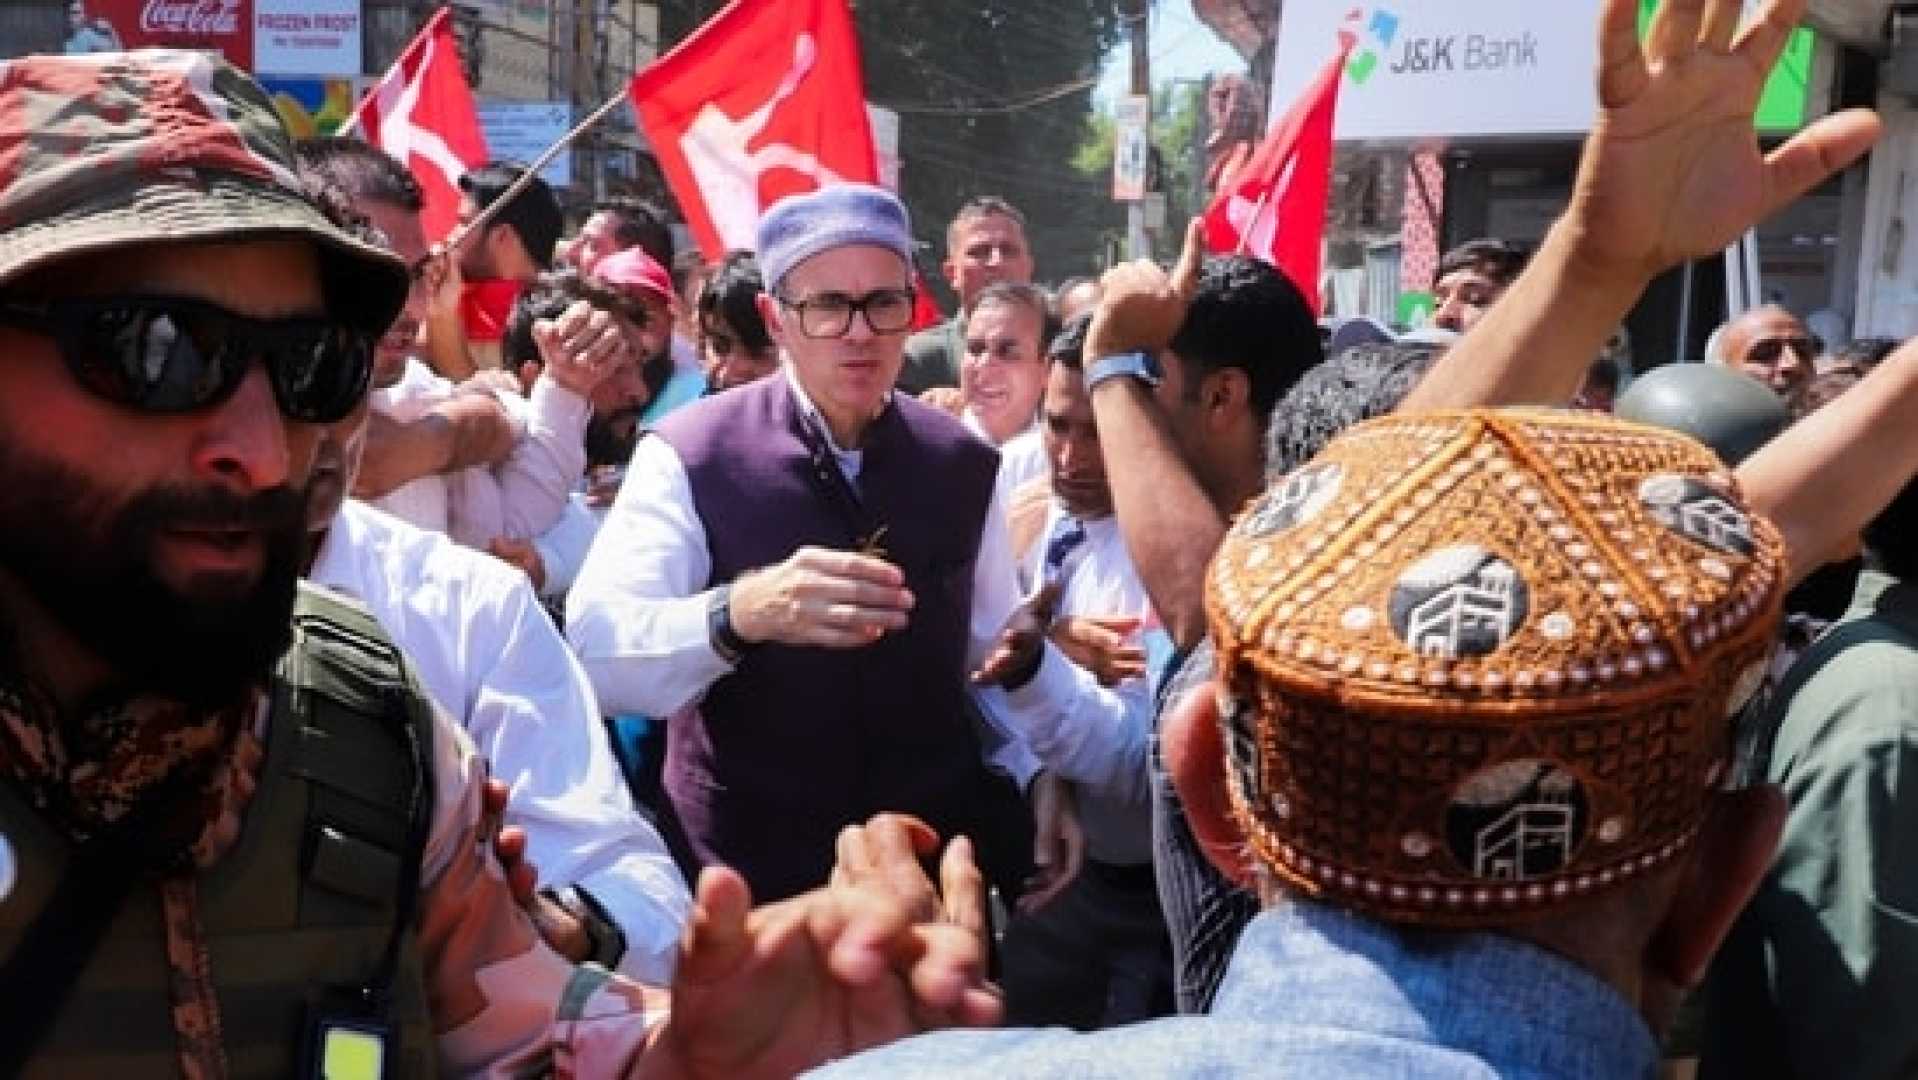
(801, 573)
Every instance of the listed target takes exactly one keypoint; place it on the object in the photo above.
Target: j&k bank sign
(1440, 69)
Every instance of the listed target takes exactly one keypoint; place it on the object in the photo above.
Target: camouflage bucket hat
(154, 146)
(1482, 665)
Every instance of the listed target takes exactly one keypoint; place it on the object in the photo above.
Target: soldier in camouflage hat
(234, 837)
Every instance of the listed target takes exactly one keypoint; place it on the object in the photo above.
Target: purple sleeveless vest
(798, 743)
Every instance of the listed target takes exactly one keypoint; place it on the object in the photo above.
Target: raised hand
(581, 347)
(1141, 306)
(1673, 170)
(775, 990)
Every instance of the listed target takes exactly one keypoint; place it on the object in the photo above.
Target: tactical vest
(306, 902)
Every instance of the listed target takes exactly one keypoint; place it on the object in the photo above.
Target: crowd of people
(560, 655)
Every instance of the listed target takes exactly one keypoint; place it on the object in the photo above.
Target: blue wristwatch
(1142, 366)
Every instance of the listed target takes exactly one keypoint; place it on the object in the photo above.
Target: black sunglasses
(161, 354)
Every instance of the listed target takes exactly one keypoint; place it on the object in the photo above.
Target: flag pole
(480, 220)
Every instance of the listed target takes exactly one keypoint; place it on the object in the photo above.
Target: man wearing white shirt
(816, 563)
(486, 652)
(1097, 955)
(523, 494)
(1003, 375)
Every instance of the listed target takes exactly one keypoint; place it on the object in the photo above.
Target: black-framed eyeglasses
(163, 354)
(829, 315)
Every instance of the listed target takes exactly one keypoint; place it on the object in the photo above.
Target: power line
(1038, 98)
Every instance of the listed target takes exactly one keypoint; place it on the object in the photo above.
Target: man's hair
(548, 296)
(1016, 294)
(732, 295)
(534, 213)
(1500, 260)
(1866, 353)
(364, 172)
(1068, 348)
(640, 223)
(1359, 383)
(977, 207)
(1249, 316)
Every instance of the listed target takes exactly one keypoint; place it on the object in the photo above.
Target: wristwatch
(719, 627)
(1140, 365)
(605, 943)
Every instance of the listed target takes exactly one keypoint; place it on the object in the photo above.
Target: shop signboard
(306, 37)
(523, 130)
(1439, 69)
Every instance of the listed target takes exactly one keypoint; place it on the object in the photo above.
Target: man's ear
(1733, 853)
(1224, 394)
(1194, 753)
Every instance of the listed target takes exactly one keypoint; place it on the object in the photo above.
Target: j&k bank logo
(1378, 37)
(1367, 35)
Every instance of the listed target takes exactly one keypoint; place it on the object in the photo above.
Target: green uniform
(1818, 977)
(305, 901)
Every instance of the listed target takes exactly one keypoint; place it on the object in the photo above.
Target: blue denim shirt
(1314, 991)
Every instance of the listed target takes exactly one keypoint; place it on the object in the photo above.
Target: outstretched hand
(776, 990)
(1673, 170)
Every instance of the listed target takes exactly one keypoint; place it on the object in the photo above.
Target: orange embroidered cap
(1479, 665)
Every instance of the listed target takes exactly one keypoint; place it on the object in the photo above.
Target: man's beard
(605, 445)
(91, 566)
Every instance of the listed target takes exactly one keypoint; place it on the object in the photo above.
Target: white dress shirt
(1021, 460)
(517, 499)
(1096, 737)
(637, 615)
(488, 654)
(562, 548)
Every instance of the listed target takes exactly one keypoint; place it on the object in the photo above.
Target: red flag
(925, 309)
(1274, 207)
(765, 100)
(422, 113)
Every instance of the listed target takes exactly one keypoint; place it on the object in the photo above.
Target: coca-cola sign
(218, 18)
(222, 26)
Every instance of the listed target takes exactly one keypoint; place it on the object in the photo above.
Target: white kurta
(519, 498)
(637, 615)
(487, 653)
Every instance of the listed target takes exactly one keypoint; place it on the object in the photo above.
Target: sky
(1182, 47)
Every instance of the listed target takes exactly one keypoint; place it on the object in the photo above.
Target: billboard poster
(222, 26)
(310, 107)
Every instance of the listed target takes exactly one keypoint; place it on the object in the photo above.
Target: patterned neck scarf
(88, 772)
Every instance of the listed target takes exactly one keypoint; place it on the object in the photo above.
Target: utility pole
(1138, 13)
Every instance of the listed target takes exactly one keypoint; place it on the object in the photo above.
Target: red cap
(633, 271)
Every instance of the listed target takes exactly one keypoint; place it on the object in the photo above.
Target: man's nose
(244, 439)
